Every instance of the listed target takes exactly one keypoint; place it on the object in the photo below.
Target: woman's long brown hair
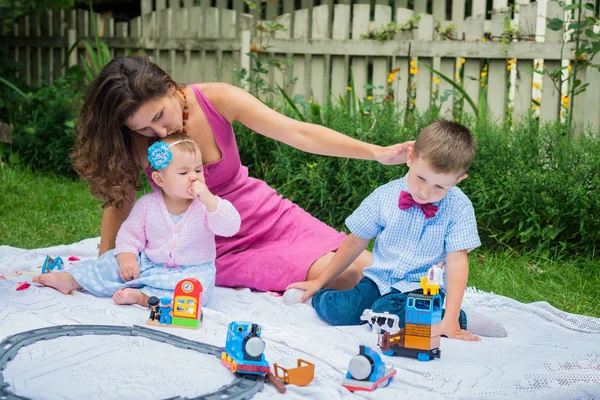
(104, 154)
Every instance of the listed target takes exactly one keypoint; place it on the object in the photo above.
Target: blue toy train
(367, 371)
(243, 352)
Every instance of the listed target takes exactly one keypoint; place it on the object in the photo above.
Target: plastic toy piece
(74, 258)
(381, 321)
(23, 286)
(367, 371)
(420, 337)
(185, 311)
(302, 375)
(242, 387)
(52, 264)
(244, 352)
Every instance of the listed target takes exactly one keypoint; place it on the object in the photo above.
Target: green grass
(39, 210)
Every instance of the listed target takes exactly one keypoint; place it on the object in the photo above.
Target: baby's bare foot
(61, 281)
(127, 296)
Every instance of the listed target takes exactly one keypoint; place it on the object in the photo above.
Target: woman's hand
(395, 154)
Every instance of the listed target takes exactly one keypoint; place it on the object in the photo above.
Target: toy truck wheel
(234, 367)
(423, 356)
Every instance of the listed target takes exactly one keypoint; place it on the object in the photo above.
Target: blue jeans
(345, 307)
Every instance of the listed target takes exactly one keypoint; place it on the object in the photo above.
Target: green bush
(531, 188)
(43, 132)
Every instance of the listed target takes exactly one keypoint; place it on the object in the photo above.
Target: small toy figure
(166, 311)
(52, 264)
(366, 371)
(23, 286)
(381, 321)
(153, 303)
(185, 310)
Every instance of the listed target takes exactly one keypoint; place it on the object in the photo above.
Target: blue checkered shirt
(406, 243)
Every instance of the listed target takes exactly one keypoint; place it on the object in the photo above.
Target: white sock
(293, 295)
(483, 326)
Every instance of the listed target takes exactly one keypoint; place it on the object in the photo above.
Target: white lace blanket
(548, 354)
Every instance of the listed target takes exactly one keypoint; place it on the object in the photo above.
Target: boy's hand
(311, 288)
(453, 331)
(200, 191)
(129, 270)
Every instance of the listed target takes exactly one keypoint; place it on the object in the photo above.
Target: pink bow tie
(407, 201)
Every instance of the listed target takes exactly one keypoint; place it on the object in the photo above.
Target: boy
(417, 222)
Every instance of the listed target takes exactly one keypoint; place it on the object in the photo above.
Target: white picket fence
(202, 43)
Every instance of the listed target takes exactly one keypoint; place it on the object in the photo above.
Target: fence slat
(300, 70)
(340, 64)
(496, 99)
(523, 81)
(383, 16)
(319, 80)
(180, 21)
(438, 10)
(550, 105)
(458, 17)
(478, 9)
(424, 32)
(402, 62)
(212, 28)
(358, 65)
(592, 97)
(448, 68)
(420, 7)
(471, 82)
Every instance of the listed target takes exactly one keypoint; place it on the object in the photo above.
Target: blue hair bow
(159, 155)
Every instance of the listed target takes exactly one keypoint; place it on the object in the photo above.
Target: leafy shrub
(532, 187)
(43, 132)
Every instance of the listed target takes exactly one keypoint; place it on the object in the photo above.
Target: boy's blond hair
(446, 146)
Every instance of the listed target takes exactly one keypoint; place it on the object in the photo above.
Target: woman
(132, 102)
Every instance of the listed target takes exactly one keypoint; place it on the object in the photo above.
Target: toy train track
(242, 386)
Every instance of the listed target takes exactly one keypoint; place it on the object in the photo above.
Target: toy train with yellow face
(244, 349)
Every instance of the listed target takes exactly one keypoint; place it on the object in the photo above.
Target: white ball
(293, 296)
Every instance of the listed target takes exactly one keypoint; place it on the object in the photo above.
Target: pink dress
(277, 241)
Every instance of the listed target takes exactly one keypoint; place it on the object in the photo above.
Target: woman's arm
(112, 219)
(236, 104)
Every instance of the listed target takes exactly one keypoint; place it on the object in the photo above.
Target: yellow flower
(413, 63)
(509, 67)
(414, 71)
(369, 98)
(512, 61)
(458, 65)
(569, 68)
(348, 88)
(484, 39)
(483, 74)
(482, 84)
(391, 77)
(436, 80)
(414, 101)
(536, 85)
(457, 75)
(537, 99)
(534, 106)
(462, 60)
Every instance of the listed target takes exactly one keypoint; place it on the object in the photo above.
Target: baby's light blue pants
(101, 276)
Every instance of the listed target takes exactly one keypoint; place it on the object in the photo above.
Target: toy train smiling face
(244, 349)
